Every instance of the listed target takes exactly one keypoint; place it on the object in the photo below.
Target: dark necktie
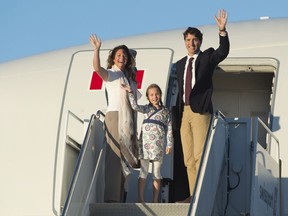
(188, 84)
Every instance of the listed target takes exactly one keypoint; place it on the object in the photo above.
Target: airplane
(52, 140)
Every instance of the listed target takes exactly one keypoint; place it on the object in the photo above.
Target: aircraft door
(84, 95)
(85, 90)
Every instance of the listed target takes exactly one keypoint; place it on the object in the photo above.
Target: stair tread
(139, 209)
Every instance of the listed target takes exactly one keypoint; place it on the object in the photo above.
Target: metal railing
(271, 135)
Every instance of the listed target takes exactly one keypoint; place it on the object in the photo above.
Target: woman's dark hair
(193, 31)
(158, 88)
(129, 70)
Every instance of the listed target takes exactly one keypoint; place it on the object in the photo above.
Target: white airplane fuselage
(39, 93)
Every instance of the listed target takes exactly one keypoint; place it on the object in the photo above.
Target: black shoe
(187, 200)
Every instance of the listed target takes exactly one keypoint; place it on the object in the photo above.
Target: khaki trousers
(114, 178)
(193, 133)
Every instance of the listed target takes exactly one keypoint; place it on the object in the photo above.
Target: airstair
(237, 176)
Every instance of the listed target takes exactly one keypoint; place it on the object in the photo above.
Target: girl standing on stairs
(156, 131)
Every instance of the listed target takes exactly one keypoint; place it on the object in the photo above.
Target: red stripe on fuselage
(97, 82)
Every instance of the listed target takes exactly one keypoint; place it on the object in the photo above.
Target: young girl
(156, 131)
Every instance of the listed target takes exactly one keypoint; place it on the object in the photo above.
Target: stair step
(139, 209)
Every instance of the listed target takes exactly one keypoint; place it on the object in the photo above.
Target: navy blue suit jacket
(200, 96)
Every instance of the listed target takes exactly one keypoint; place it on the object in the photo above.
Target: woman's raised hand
(95, 41)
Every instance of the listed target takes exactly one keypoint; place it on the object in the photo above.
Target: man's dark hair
(193, 31)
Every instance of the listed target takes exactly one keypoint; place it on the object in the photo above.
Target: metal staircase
(235, 173)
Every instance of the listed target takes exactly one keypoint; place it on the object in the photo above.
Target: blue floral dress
(156, 130)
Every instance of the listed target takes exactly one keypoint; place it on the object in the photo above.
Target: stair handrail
(268, 148)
